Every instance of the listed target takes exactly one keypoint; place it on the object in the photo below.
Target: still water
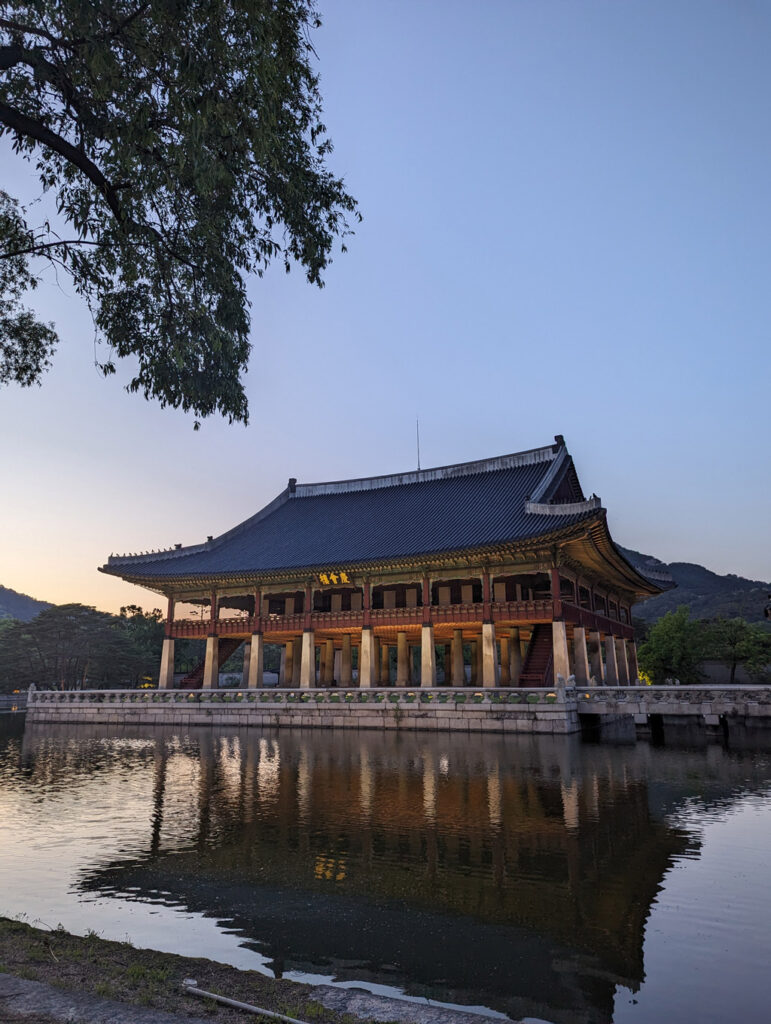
(534, 877)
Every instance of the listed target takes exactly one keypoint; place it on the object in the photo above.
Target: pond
(536, 877)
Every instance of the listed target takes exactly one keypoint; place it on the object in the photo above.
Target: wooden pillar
(166, 675)
(515, 657)
(611, 665)
(427, 657)
(308, 660)
(402, 660)
(580, 656)
(489, 655)
(169, 616)
(211, 671)
(505, 660)
(458, 668)
(346, 673)
(213, 609)
(256, 662)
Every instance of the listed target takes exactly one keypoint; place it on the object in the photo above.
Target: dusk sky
(566, 230)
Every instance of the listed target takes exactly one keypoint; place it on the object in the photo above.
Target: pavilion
(502, 562)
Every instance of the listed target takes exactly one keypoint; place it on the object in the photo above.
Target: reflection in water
(512, 873)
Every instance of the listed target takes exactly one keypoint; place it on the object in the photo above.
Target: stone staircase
(225, 647)
(537, 669)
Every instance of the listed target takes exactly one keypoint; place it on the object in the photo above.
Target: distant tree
(184, 146)
(736, 642)
(674, 648)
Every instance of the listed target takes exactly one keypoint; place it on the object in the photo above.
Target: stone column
(289, 663)
(595, 657)
(581, 656)
(474, 666)
(427, 657)
(402, 660)
(458, 668)
(385, 664)
(376, 658)
(505, 660)
(346, 674)
(247, 660)
(308, 661)
(211, 671)
(489, 656)
(515, 656)
(560, 653)
(611, 665)
(367, 666)
(631, 657)
(621, 663)
(256, 662)
(297, 654)
(166, 675)
(329, 662)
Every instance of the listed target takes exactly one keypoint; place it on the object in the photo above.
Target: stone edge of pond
(54, 996)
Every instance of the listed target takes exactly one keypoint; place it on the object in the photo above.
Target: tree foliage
(673, 649)
(184, 144)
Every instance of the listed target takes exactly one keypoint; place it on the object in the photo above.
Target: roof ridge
(527, 458)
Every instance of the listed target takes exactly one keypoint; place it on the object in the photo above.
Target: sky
(566, 231)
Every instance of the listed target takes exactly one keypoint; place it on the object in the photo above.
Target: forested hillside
(18, 606)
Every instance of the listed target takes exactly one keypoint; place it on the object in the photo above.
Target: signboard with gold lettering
(333, 578)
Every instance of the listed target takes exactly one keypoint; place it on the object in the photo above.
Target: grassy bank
(144, 977)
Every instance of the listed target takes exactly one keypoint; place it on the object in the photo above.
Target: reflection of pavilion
(519, 876)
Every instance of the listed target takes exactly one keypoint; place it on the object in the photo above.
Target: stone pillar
(489, 656)
(247, 660)
(621, 662)
(560, 653)
(297, 654)
(308, 661)
(329, 662)
(595, 657)
(458, 668)
(166, 675)
(211, 671)
(580, 656)
(505, 660)
(367, 666)
(631, 657)
(255, 662)
(515, 656)
(611, 665)
(385, 664)
(289, 663)
(402, 660)
(474, 666)
(427, 657)
(346, 674)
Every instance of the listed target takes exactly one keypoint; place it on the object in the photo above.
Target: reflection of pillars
(297, 656)
(427, 657)
(385, 664)
(247, 661)
(288, 663)
(560, 650)
(166, 676)
(595, 658)
(402, 660)
(489, 655)
(474, 663)
(303, 785)
(205, 786)
(429, 788)
(211, 669)
(366, 783)
(505, 661)
(634, 670)
(346, 674)
(494, 797)
(255, 662)
(458, 668)
(570, 814)
(367, 665)
(515, 656)
(329, 662)
(308, 661)
(611, 667)
(580, 656)
(621, 663)
(159, 787)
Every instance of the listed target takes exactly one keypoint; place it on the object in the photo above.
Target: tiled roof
(428, 512)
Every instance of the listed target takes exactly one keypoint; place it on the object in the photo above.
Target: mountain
(18, 606)
(707, 594)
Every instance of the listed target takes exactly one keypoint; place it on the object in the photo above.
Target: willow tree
(184, 145)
